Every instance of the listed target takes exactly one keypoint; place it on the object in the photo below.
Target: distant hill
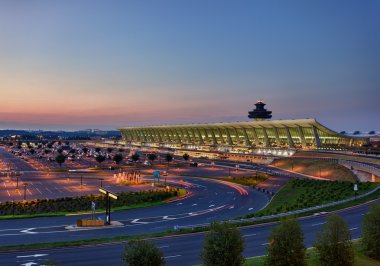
(81, 134)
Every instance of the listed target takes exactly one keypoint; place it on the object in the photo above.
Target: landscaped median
(306, 195)
(69, 205)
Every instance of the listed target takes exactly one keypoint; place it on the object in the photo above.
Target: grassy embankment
(301, 194)
(338, 156)
(318, 168)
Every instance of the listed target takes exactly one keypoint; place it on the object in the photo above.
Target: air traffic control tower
(260, 113)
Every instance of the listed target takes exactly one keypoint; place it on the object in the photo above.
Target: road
(210, 200)
(179, 250)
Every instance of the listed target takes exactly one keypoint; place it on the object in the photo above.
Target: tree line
(224, 244)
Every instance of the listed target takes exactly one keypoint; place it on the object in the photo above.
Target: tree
(286, 244)
(168, 158)
(50, 145)
(142, 253)
(109, 150)
(32, 151)
(60, 159)
(186, 157)
(85, 150)
(371, 232)
(223, 246)
(135, 157)
(100, 158)
(121, 150)
(60, 150)
(46, 151)
(118, 158)
(334, 244)
(72, 151)
(98, 149)
(152, 157)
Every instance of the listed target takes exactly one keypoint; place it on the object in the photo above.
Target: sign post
(109, 195)
(156, 174)
(356, 189)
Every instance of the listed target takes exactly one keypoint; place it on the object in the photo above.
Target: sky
(80, 64)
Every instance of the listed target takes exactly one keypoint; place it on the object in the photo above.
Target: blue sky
(107, 64)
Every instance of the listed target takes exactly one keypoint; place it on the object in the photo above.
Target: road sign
(156, 174)
(355, 187)
(93, 206)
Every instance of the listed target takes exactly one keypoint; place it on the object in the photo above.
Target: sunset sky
(80, 64)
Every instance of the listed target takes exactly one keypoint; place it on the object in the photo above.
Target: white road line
(30, 193)
(250, 235)
(51, 192)
(265, 244)
(318, 224)
(60, 191)
(212, 205)
(163, 246)
(39, 191)
(136, 221)
(179, 203)
(250, 209)
(355, 228)
(19, 192)
(174, 256)
(194, 204)
(8, 193)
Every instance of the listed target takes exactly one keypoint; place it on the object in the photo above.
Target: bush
(142, 253)
(83, 203)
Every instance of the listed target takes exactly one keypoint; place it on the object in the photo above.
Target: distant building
(245, 137)
(260, 113)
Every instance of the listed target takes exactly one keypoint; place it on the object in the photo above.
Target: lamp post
(109, 195)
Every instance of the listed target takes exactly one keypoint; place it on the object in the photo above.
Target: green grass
(301, 194)
(247, 180)
(324, 169)
(312, 258)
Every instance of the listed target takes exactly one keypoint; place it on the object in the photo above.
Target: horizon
(89, 64)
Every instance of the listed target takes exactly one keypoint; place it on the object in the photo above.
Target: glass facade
(300, 134)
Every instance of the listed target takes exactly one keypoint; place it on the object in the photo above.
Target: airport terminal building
(242, 137)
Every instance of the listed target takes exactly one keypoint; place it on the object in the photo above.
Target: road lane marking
(174, 256)
(8, 193)
(28, 231)
(355, 228)
(250, 209)
(318, 224)
(49, 190)
(250, 235)
(136, 221)
(265, 244)
(195, 204)
(212, 205)
(34, 256)
(168, 218)
(30, 193)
